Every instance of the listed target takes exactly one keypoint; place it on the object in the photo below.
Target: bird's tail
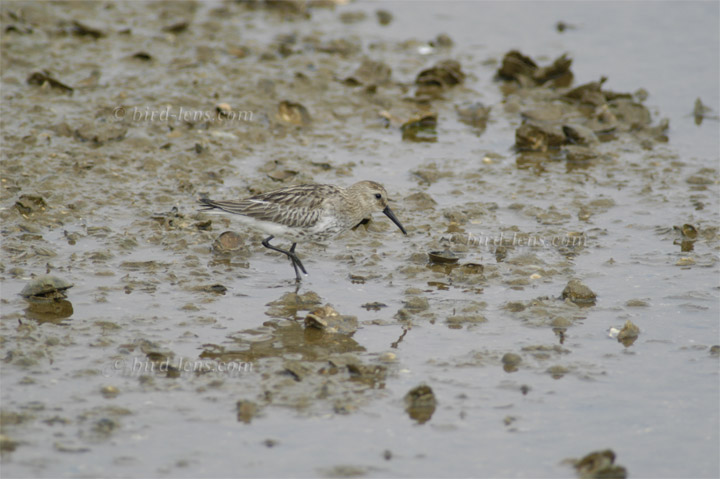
(207, 204)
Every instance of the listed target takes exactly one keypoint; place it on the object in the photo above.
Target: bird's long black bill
(388, 212)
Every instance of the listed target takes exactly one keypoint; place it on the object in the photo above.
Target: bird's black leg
(290, 254)
(295, 259)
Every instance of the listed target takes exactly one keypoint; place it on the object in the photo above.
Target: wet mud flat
(556, 298)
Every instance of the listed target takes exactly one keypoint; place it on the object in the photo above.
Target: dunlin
(308, 213)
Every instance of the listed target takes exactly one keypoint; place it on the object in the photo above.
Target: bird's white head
(370, 197)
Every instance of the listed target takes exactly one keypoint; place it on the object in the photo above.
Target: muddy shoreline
(556, 293)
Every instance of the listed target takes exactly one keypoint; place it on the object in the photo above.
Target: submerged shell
(689, 231)
(628, 334)
(330, 321)
(420, 128)
(227, 242)
(420, 403)
(600, 464)
(49, 310)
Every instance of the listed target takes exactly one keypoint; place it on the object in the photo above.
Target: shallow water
(138, 267)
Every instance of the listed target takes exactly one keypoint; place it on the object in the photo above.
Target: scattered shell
(109, 392)
(99, 133)
(7, 444)
(104, 427)
(557, 371)
(290, 303)
(472, 268)
(599, 464)
(510, 362)
(370, 375)
(579, 156)
(177, 27)
(297, 370)
(170, 219)
(201, 225)
(352, 17)
(685, 261)
(44, 77)
(371, 72)
(689, 231)
(318, 318)
(547, 113)
(213, 288)
(561, 322)
(420, 403)
(223, 109)
(388, 357)
(516, 65)
(444, 74)
(330, 321)
(239, 51)
(246, 411)
(420, 128)
(443, 40)
(384, 17)
(144, 56)
(81, 30)
(338, 46)
(432, 81)
(580, 135)
(578, 293)
(628, 334)
(69, 447)
(293, 113)
(535, 137)
(589, 93)
(282, 174)
(416, 303)
(46, 287)
(475, 115)
(443, 257)
(522, 69)
(456, 321)
(28, 204)
(425, 49)
(374, 306)
(227, 242)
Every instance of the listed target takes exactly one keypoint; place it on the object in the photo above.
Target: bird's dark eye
(378, 195)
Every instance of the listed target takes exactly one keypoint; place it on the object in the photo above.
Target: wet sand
(180, 354)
